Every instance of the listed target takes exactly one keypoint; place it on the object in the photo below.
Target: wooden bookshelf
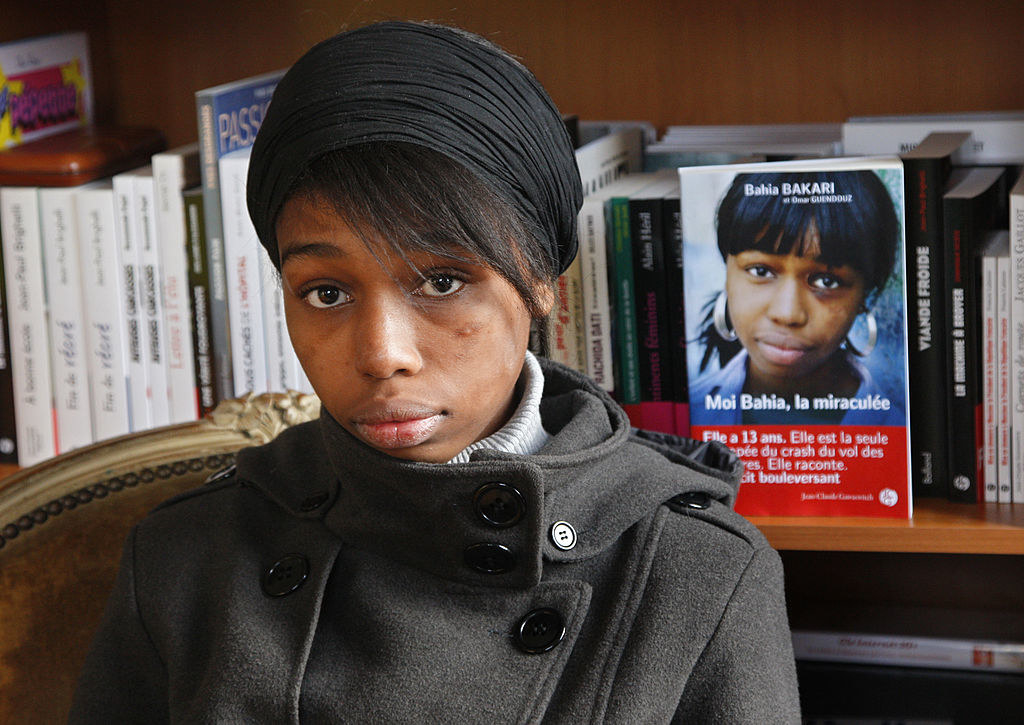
(938, 527)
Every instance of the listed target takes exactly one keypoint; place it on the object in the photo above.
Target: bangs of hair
(401, 198)
(856, 226)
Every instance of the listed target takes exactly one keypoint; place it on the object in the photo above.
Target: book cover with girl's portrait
(797, 331)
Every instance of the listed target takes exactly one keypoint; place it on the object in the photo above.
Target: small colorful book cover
(795, 309)
(45, 87)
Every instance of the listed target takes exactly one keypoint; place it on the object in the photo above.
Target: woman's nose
(387, 343)
(786, 306)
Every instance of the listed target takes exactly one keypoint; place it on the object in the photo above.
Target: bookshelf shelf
(938, 527)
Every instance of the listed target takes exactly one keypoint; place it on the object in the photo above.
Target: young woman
(797, 277)
(468, 533)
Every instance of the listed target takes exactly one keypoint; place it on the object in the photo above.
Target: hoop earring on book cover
(872, 323)
(718, 317)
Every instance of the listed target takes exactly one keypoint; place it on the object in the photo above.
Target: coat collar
(593, 474)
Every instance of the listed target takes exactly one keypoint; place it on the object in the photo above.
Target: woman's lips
(397, 430)
(782, 350)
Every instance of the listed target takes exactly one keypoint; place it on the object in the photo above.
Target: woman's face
(790, 312)
(418, 363)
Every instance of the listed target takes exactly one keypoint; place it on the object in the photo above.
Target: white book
(606, 158)
(566, 342)
(136, 334)
(989, 343)
(26, 310)
(281, 361)
(106, 327)
(241, 259)
(68, 360)
(1017, 341)
(150, 285)
(173, 172)
(909, 651)
(1004, 293)
(996, 137)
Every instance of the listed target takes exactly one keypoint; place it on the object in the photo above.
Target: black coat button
(539, 631)
(285, 576)
(490, 558)
(499, 504)
(690, 500)
(312, 503)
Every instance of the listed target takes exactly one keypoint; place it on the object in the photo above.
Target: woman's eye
(325, 296)
(440, 285)
(825, 282)
(760, 271)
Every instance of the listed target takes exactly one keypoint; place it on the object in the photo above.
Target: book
(45, 87)
(795, 304)
(997, 137)
(607, 156)
(728, 144)
(8, 425)
(63, 277)
(151, 296)
(173, 172)
(970, 209)
(995, 246)
(1016, 227)
(926, 170)
(673, 238)
(566, 342)
(909, 651)
(229, 116)
(106, 329)
(199, 298)
(1004, 293)
(655, 409)
(26, 309)
(242, 253)
(136, 332)
(281, 362)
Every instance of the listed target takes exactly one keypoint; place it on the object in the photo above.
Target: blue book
(229, 116)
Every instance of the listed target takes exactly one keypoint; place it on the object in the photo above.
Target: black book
(647, 235)
(926, 170)
(971, 208)
(199, 296)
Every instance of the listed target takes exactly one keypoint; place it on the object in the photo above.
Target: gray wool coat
(604, 579)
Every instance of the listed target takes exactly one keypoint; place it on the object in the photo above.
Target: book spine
(656, 391)
(150, 278)
(989, 345)
(596, 307)
(8, 423)
(924, 180)
(220, 339)
(169, 177)
(627, 382)
(1003, 295)
(281, 361)
(933, 652)
(30, 359)
(1017, 341)
(59, 234)
(199, 297)
(105, 337)
(131, 296)
(245, 308)
(964, 414)
(565, 334)
(675, 310)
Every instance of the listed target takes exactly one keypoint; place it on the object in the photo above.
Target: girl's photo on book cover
(795, 302)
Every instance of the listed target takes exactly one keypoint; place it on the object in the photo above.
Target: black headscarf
(430, 85)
